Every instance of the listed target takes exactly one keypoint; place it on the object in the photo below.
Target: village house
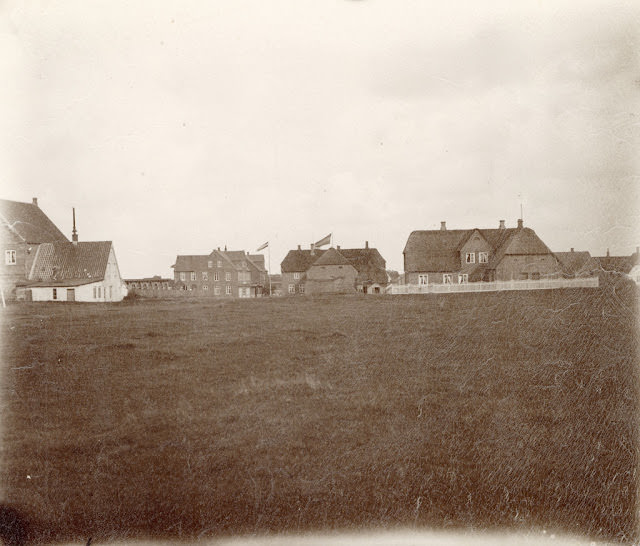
(334, 270)
(472, 255)
(154, 286)
(617, 264)
(577, 264)
(222, 273)
(58, 269)
(24, 227)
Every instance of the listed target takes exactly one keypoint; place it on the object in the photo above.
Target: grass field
(183, 419)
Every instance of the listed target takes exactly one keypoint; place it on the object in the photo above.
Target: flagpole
(269, 268)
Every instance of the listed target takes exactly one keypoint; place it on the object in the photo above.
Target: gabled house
(222, 273)
(308, 270)
(617, 264)
(472, 255)
(577, 264)
(41, 264)
(23, 227)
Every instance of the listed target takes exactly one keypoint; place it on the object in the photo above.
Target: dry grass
(185, 419)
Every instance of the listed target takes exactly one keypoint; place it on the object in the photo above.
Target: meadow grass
(176, 419)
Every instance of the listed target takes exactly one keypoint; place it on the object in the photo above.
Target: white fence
(543, 284)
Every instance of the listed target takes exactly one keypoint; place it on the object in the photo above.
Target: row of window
(292, 288)
(483, 257)
(216, 289)
(205, 276)
(219, 264)
(447, 278)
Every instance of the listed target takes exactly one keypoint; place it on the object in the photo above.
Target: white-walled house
(75, 271)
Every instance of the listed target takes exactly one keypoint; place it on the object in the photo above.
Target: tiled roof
(64, 261)
(332, 257)
(299, 260)
(28, 223)
(191, 263)
(363, 257)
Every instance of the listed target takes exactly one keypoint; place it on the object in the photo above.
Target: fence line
(543, 284)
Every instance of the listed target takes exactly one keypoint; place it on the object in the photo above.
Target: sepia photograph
(310, 273)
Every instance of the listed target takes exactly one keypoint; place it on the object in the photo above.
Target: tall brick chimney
(366, 244)
(502, 226)
(34, 201)
(443, 226)
(520, 223)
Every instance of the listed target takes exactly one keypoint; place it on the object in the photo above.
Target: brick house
(41, 264)
(221, 273)
(24, 226)
(472, 255)
(331, 273)
(369, 265)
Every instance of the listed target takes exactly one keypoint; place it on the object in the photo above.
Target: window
(244, 276)
(296, 276)
(471, 257)
(228, 290)
(205, 287)
(205, 276)
(216, 277)
(95, 292)
(301, 288)
(227, 276)
(535, 276)
(99, 291)
(483, 257)
(183, 276)
(193, 275)
(10, 257)
(219, 263)
(210, 264)
(463, 278)
(423, 279)
(55, 293)
(446, 278)
(292, 289)
(216, 290)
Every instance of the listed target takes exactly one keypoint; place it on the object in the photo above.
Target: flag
(262, 247)
(324, 241)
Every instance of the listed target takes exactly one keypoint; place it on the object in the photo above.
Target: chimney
(443, 226)
(571, 249)
(366, 244)
(35, 201)
(299, 247)
(502, 226)
(337, 247)
(74, 233)
(519, 223)
(313, 249)
(608, 253)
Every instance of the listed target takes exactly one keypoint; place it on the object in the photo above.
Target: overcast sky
(178, 127)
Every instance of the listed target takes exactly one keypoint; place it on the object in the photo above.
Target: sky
(175, 127)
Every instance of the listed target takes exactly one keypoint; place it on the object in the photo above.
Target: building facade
(23, 227)
(305, 271)
(222, 273)
(472, 255)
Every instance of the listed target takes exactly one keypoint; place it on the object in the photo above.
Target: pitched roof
(574, 263)
(332, 257)
(258, 260)
(191, 262)
(434, 250)
(363, 257)
(621, 264)
(439, 250)
(299, 260)
(28, 223)
(64, 261)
